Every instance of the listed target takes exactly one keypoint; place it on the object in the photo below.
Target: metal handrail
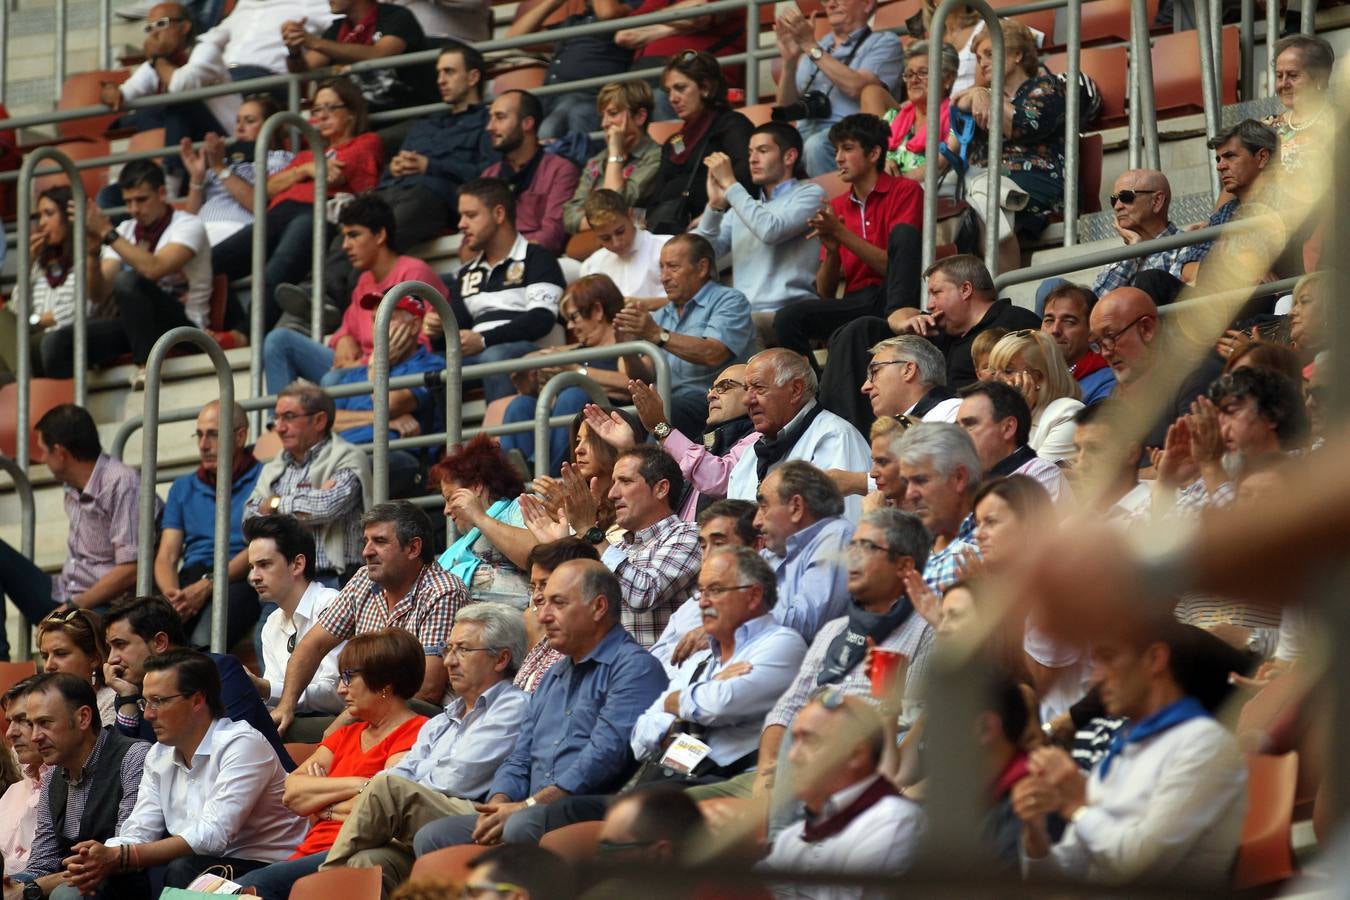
(1072, 120)
(27, 525)
(1144, 110)
(145, 549)
(994, 171)
(258, 303)
(1265, 289)
(379, 376)
(23, 292)
(1208, 80)
(543, 406)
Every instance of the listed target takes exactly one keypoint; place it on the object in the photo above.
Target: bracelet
(196, 185)
(136, 856)
(122, 858)
(616, 159)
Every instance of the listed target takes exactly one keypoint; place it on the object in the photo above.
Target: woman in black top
(698, 94)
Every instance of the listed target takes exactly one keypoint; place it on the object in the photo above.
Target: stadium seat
(834, 185)
(895, 14)
(1176, 72)
(453, 863)
(150, 139)
(582, 244)
(1109, 20)
(1109, 67)
(1090, 158)
(44, 393)
(1043, 21)
(759, 113)
(347, 883)
(1265, 854)
(574, 843)
(661, 131)
(300, 752)
(84, 90)
(525, 78)
(94, 179)
(11, 673)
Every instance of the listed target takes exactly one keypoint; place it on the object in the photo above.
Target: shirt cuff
(613, 556)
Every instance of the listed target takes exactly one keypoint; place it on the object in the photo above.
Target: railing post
(379, 376)
(4, 45)
(1272, 35)
(59, 63)
(1134, 152)
(1072, 118)
(1216, 41)
(1247, 51)
(1142, 67)
(258, 302)
(543, 411)
(930, 185)
(27, 534)
(23, 291)
(105, 34)
(1308, 17)
(1208, 92)
(145, 549)
(752, 50)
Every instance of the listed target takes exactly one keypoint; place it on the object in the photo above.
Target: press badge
(685, 753)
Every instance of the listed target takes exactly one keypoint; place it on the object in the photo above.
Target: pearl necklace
(1289, 120)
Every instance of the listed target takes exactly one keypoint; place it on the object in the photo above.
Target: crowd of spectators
(727, 601)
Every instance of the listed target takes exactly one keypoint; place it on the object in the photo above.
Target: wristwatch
(663, 339)
(35, 319)
(274, 504)
(615, 159)
(129, 699)
(593, 535)
(815, 53)
(110, 238)
(661, 430)
(530, 801)
(32, 891)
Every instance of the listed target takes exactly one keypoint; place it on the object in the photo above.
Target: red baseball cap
(411, 305)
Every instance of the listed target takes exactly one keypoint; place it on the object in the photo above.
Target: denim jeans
(289, 252)
(288, 355)
(28, 587)
(499, 386)
(274, 882)
(571, 112)
(818, 153)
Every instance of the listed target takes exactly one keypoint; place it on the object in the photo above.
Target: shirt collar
(305, 607)
(783, 188)
(796, 542)
(206, 748)
(840, 800)
(851, 40)
(745, 634)
(515, 254)
(89, 761)
(95, 482)
(455, 710)
(651, 532)
(604, 652)
(885, 181)
(309, 454)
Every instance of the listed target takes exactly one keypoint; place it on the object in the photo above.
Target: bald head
(174, 36)
(1124, 323)
(1141, 201)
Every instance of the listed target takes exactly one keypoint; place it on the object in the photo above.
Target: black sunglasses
(1127, 197)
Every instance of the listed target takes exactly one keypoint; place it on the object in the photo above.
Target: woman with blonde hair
(72, 642)
(1030, 361)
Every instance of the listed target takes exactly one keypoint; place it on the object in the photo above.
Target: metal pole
(27, 533)
(543, 408)
(1308, 17)
(1142, 67)
(23, 291)
(105, 34)
(258, 302)
(59, 63)
(1247, 53)
(379, 376)
(752, 46)
(1133, 148)
(1208, 80)
(1072, 116)
(4, 44)
(930, 185)
(1216, 40)
(145, 550)
(1272, 35)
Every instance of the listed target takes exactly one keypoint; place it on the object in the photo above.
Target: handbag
(673, 216)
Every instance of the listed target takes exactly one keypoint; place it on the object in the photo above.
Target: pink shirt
(708, 473)
(359, 324)
(18, 818)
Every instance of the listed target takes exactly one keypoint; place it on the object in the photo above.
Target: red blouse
(362, 159)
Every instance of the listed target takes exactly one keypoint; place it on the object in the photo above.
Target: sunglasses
(161, 23)
(726, 385)
(1128, 197)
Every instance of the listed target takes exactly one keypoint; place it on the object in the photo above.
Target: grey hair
(945, 446)
(951, 60)
(503, 629)
(597, 579)
(312, 399)
(1315, 52)
(1254, 136)
(751, 568)
(798, 478)
(787, 365)
(905, 534)
(920, 351)
(409, 522)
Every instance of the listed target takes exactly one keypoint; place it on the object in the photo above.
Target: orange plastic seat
(662, 131)
(574, 843)
(834, 185)
(758, 114)
(300, 752)
(1109, 68)
(1090, 158)
(1176, 72)
(11, 673)
(85, 89)
(44, 394)
(526, 78)
(1109, 20)
(93, 179)
(453, 863)
(349, 884)
(1265, 855)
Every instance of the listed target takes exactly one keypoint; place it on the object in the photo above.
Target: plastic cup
(886, 667)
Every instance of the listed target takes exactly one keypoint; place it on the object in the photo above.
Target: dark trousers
(145, 311)
(419, 215)
(107, 340)
(289, 243)
(798, 324)
(27, 586)
(184, 869)
(241, 610)
(846, 369)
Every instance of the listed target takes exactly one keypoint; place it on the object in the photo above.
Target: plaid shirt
(657, 568)
(1195, 498)
(317, 506)
(941, 571)
(428, 611)
(104, 518)
(1119, 274)
(1221, 216)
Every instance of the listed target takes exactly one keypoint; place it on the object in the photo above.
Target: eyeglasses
(714, 592)
(346, 676)
(289, 417)
(161, 23)
(326, 109)
(474, 889)
(863, 545)
(685, 55)
(1107, 341)
(874, 368)
(830, 697)
(726, 386)
(915, 75)
(458, 650)
(1023, 333)
(1127, 196)
(157, 703)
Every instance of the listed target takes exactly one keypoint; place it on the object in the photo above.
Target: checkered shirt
(428, 610)
(657, 568)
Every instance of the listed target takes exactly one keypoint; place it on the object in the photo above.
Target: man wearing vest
(90, 790)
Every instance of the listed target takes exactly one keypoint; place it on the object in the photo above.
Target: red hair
(480, 461)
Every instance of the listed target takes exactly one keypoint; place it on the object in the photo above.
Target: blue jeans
(526, 826)
(288, 355)
(499, 386)
(571, 112)
(289, 252)
(28, 587)
(569, 402)
(818, 153)
(274, 882)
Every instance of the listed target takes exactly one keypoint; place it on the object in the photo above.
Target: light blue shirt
(880, 54)
(716, 312)
(458, 752)
(812, 579)
(732, 710)
(775, 262)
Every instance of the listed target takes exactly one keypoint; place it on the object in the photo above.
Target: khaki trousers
(380, 828)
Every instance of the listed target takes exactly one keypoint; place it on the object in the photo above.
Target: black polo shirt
(515, 300)
(960, 366)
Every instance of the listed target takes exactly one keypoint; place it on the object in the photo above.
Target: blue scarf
(1173, 714)
(459, 559)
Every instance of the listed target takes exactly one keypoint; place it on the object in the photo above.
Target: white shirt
(321, 693)
(639, 273)
(1052, 431)
(227, 803)
(944, 411)
(190, 284)
(205, 67)
(1171, 808)
(685, 619)
(882, 839)
(1050, 476)
(251, 34)
(830, 442)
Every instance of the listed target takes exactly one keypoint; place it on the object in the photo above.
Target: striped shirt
(46, 857)
(428, 611)
(220, 212)
(657, 568)
(104, 520)
(514, 300)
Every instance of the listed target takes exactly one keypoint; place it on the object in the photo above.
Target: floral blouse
(1036, 142)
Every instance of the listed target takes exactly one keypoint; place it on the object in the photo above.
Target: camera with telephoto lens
(810, 105)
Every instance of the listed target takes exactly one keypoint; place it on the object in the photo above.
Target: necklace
(1289, 120)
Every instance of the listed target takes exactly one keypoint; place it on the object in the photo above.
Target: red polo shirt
(891, 201)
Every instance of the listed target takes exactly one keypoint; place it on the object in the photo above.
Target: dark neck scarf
(1012, 462)
(148, 236)
(243, 461)
(362, 32)
(56, 263)
(720, 439)
(1169, 716)
(849, 646)
(768, 451)
(878, 790)
(690, 137)
(936, 394)
(520, 181)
